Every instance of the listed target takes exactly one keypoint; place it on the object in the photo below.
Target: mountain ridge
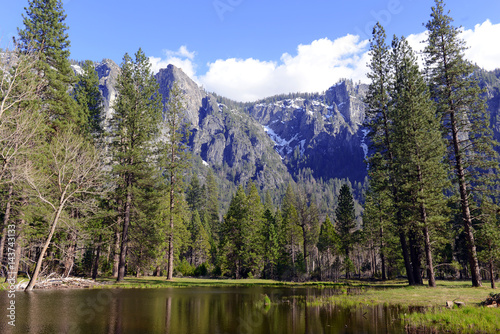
(273, 140)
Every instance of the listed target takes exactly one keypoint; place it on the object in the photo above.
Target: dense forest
(87, 196)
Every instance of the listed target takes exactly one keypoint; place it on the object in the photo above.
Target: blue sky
(247, 49)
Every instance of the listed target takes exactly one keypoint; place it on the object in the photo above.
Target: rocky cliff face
(271, 140)
(226, 139)
(320, 132)
(266, 142)
(108, 72)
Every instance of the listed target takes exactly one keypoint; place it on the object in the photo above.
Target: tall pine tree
(174, 158)
(45, 33)
(345, 221)
(89, 99)
(134, 127)
(463, 117)
(379, 123)
(419, 149)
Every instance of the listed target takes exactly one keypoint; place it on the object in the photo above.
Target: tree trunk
(170, 271)
(464, 201)
(347, 273)
(415, 259)
(428, 255)
(95, 267)
(116, 255)
(406, 257)
(126, 223)
(38, 266)
(382, 254)
(70, 255)
(492, 274)
(425, 230)
(304, 243)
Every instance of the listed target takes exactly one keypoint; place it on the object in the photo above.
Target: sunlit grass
(422, 296)
(457, 320)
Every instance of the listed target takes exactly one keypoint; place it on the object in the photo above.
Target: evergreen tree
(289, 234)
(134, 127)
(252, 229)
(328, 245)
(45, 34)
(419, 150)
(212, 206)
(271, 244)
(488, 236)
(194, 195)
(200, 241)
(89, 99)
(379, 119)
(464, 120)
(308, 222)
(346, 221)
(378, 218)
(174, 158)
(232, 239)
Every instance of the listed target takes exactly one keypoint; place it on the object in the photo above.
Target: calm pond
(192, 310)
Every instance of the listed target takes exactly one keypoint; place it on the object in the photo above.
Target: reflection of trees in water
(115, 324)
(168, 314)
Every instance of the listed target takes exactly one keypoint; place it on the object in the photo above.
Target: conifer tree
(271, 244)
(174, 158)
(379, 123)
(328, 245)
(194, 195)
(232, 239)
(200, 243)
(252, 229)
(463, 117)
(89, 99)
(289, 233)
(419, 149)
(45, 33)
(488, 236)
(135, 127)
(308, 222)
(378, 217)
(212, 206)
(346, 221)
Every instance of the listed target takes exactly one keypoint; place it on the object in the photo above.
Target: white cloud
(484, 48)
(182, 52)
(181, 58)
(315, 68)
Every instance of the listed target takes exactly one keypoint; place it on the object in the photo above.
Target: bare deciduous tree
(70, 167)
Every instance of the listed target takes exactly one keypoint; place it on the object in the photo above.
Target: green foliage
(329, 240)
(345, 219)
(465, 124)
(45, 34)
(89, 99)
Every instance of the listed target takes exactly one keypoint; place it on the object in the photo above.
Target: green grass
(467, 319)
(395, 293)
(161, 282)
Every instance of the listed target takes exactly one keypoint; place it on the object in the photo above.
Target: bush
(201, 270)
(184, 268)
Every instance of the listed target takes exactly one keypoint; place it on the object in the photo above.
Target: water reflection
(194, 310)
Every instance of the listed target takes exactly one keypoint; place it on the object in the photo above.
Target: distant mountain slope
(275, 140)
(322, 132)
